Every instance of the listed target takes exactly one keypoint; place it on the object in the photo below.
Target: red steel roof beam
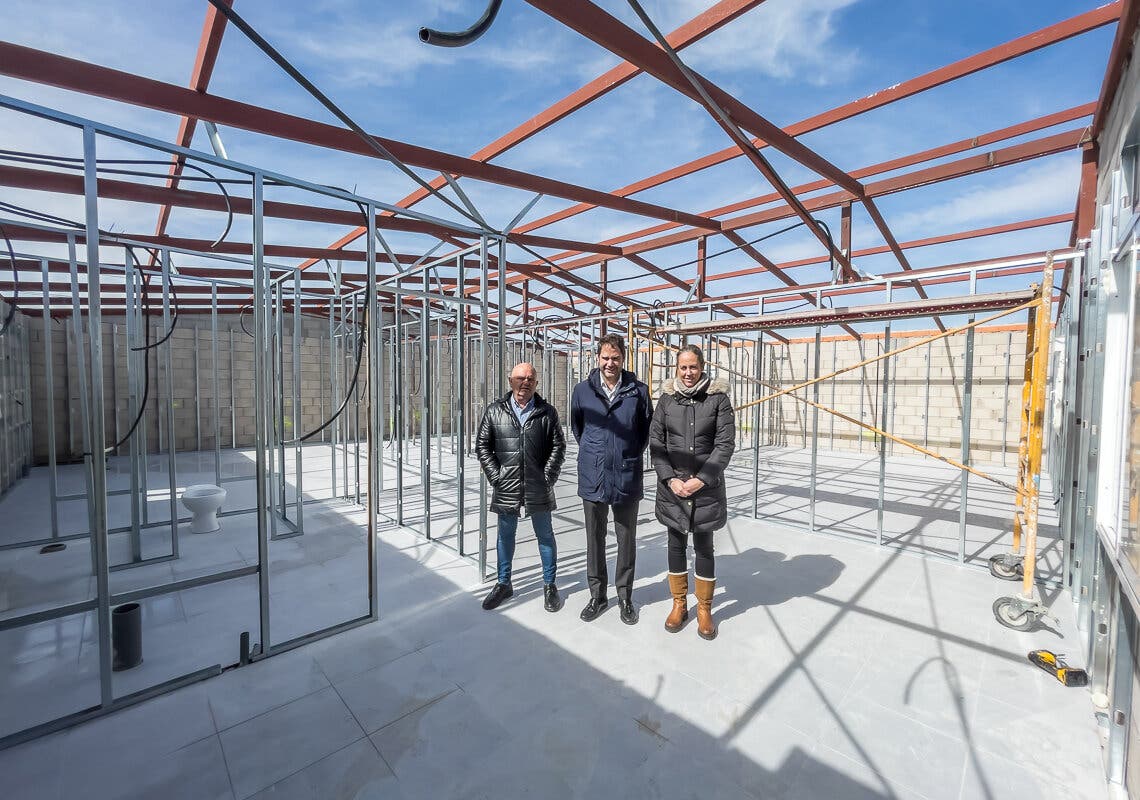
(208, 45)
(982, 162)
(1052, 34)
(993, 230)
(1121, 51)
(37, 66)
(610, 33)
(1041, 123)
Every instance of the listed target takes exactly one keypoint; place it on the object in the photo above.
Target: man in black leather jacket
(521, 448)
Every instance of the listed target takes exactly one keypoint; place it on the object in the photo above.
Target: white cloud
(1040, 189)
(782, 39)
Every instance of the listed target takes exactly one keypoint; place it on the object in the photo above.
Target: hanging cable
(355, 374)
(361, 337)
(830, 255)
(173, 293)
(146, 372)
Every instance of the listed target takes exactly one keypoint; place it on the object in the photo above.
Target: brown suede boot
(706, 628)
(679, 587)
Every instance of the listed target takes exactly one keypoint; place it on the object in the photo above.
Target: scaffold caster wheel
(1003, 569)
(1011, 613)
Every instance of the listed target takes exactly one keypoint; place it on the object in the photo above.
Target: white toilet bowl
(204, 501)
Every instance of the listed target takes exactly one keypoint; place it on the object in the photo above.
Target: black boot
(497, 595)
(551, 601)
(593, 608)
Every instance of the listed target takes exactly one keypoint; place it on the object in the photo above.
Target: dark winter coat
(693, 437)
(611, 438)
(521, 463)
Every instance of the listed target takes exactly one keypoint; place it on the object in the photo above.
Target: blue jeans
(547, 550)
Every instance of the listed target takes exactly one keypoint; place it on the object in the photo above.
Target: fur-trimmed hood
(716, 386)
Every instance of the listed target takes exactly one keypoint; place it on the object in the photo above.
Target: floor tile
(383, 694)
(355, 772)
(265, 749)
(245, 692)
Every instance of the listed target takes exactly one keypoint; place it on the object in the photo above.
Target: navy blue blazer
(611, 438)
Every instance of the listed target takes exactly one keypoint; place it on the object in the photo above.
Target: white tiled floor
(837, 674)
(842, 671)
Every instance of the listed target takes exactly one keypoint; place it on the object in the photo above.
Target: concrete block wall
(195, 395)
(16, 408)
(924, 399)
(191, 365)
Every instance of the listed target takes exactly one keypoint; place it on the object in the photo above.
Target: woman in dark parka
(691, 440)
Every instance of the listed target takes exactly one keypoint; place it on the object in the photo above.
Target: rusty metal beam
(652, 268)
(728, 112)
(694, 30)
(37, 66)
(209, 44)
(71, 183)
(609, 32)
(871, 312)
(1052, 34)
(891, 165)
(994, 230)
(981, 162)
(1119, 55)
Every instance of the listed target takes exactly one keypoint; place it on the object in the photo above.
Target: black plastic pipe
(461, 38)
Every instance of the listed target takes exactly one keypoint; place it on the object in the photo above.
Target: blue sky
(787, 59)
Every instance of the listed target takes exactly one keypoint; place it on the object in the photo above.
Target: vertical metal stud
(886, 379)
(815, 423)
(216, 385)
(49, 393)
(426, 392)
(98, 499)
(260, 404)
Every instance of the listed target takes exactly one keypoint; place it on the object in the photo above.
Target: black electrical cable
(241, 319)
(15, 284)
(464, 37)
(830, 255)
(146, 373)
(71, 162)
(39, 216)
(174, 295)
(361, 337)
(355, 375)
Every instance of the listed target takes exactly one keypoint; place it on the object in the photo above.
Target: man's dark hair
(614, 341)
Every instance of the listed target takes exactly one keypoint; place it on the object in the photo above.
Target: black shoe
(551, 601)
(593, 608)
(497, 595)
(628, 611)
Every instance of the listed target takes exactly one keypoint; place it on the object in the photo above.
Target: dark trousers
(703, 561)
(625, 524)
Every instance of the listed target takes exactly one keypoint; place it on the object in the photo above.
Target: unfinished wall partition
(835, 434)
(158, 365)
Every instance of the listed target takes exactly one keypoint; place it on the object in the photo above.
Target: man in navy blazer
(610, 413)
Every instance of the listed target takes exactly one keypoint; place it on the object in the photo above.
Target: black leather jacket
(522, 464)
